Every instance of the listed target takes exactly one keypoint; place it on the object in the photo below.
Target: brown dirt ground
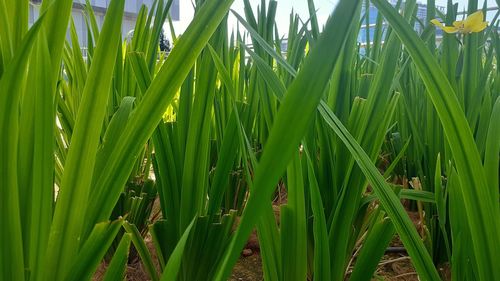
(392, 267)
(246, 269)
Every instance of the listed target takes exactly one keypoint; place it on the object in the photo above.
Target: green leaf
(42, 194)
(491, 163)
(149, 112)
(11, 88)
(417, 195)
(69, 216)
(113, 132)
(93, 250)
(293, 228)
(320, 232)
(378, 237)
(282, 141)
(404, 226)
(58, 13)
(118, 264)
(171, 270)
(142, 249)
(263, 44)
(480, 206)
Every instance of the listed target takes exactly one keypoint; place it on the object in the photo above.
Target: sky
(323, 7)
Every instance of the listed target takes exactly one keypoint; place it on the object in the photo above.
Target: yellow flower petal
(458, 24)
(474, 19)
(475, 23)
(447, 29)
(450, 29)
(437, 23)
(480, 27)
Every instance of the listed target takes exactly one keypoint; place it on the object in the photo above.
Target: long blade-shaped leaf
(11, 87)
(142, 249)
(118, 264)
(303, 95)
(174, 262)
(93, 250)
(69, 215)
(58, 14)
(389, 200)
(482, 210)
(322, 269)
(293, 225)
(42, 193)
(150, 111)
(491, 162)
(379, 236)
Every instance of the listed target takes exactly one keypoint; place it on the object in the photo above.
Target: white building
(132, 8)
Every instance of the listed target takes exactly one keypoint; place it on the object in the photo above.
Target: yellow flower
(473, 23)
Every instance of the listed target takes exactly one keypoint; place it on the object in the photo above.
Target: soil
(396, 266)
(246, 269)
(392, 266)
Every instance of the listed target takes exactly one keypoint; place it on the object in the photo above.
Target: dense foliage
(348, 137)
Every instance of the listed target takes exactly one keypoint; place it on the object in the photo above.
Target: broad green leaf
(42, 194)
(293, 228)
(113, 132)
(378, 237)
(69, 216)
(173, 265)
(11, 88)
(93, 250)
(58, 13)
(118, 264)
(18, 17)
